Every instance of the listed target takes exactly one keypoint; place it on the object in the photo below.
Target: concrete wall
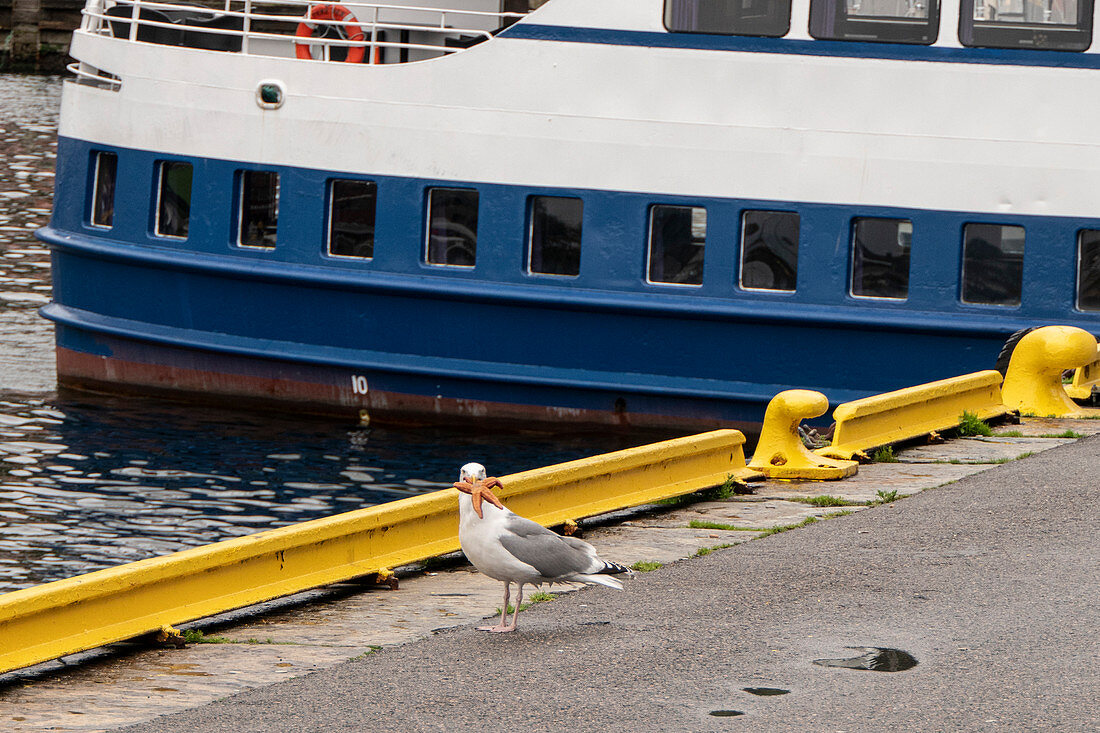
(34, 34)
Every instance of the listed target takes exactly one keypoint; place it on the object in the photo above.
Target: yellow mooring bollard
(1033, 382)
(1085, 378)
(780, 452)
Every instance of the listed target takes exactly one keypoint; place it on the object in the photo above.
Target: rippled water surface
(91, 482)
(28, 145)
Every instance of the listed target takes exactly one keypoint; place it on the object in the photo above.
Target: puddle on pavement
(765, 691)
(875, 659)
(726, 713)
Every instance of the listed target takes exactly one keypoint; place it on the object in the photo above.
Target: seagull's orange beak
(479, 492)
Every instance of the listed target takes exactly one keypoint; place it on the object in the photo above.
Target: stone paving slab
(322, 628)
(750, 512)
(633, 544)
(362, 620)
(1039, 426)
(903, 477)
(741, 512)
(116, 691)
(981, 450)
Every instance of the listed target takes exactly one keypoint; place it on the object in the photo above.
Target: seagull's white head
(472, 473)
(472, 481)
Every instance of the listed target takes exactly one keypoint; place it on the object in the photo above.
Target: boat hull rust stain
(320, 390)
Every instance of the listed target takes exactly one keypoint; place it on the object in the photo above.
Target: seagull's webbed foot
(501, 629)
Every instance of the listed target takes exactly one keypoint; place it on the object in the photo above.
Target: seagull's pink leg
(519, 602)
(503, 614)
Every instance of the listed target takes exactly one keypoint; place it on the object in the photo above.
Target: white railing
(364, 32)
(87, 74)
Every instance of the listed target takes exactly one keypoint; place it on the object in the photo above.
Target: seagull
(511, 549)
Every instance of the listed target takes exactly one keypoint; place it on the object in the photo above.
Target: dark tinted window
(893, 21)
(351, 218)
(1061, 25)
(769, 250)
(993, 264)
(452, 227)
(554, 246)
(729, 17)
(103, 189)
(259, 209)
(174, 199)
(880, 257)
(1088, 270)
(677, 237)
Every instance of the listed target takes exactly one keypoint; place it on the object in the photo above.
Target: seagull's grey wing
(551, 555)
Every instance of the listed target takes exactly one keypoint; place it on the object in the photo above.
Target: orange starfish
(480, 490)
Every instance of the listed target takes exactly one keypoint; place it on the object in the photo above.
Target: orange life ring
(331, 12)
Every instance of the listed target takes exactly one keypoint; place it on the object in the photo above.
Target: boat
(626, 213)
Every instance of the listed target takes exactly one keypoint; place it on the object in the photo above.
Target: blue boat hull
(131, 319)
(397, 340)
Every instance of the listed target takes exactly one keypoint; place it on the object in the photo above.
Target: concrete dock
(989, 581)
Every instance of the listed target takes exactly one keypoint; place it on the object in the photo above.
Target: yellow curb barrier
(72, 615)
(780, 452)
(912, 412)
(1085, 378)
(1033, 382)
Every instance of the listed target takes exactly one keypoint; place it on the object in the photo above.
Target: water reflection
(875, 659)
(91, 484)
(28, 147)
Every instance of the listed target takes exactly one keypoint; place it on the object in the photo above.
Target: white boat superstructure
(779, 126)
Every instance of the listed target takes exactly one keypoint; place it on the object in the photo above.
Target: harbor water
(89, 482)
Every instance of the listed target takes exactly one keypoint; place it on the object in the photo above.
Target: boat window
(259, 209)
(351, 218)
(452, 227)
(769, 250)
(993, 264)
(729, 17)
(677, 236)
(1061, 25)
(174, 199)
(1088, 270)
(891, 21)
(880, 257)
(105, 169)
(554, 241)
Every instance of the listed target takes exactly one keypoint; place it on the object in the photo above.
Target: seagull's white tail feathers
(603, 575)
(600, 579)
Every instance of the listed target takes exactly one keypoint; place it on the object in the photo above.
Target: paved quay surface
(990, 582)
(321, 629)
